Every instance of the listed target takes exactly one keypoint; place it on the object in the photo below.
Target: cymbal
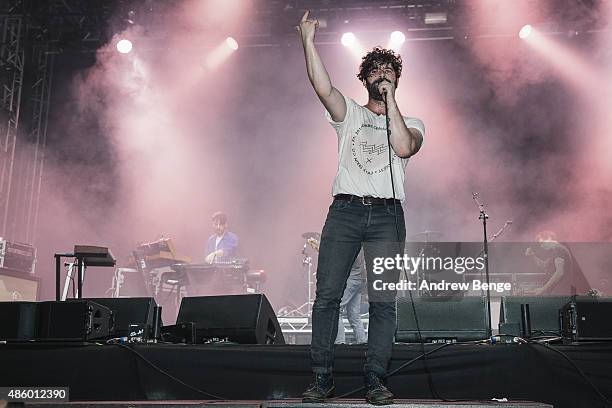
(426, 234)
(308, 235)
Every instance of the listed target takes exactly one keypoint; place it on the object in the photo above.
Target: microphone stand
(484, 216)
(495, 236)
(501, 230)
(400, 245)
(388, 129)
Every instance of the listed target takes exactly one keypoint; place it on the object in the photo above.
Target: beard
(373, 89)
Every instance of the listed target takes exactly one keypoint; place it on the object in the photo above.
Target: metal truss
(298, 330)
(77, 25)
(38, 132)
(11, 82)
(32, 152)
(292, 325)
(31, 33)
(25, 77)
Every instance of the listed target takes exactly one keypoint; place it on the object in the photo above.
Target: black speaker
(18, 321)
(77, 320)
(244, 319)
(441, 319)
(543, 315)
(139, 311)
(587, 319)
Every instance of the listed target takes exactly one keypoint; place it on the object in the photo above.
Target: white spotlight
(232, 43)
(348, 39)
(397, 37)
(525, 31)
(124, 46)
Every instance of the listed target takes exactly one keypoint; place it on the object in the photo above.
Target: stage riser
(296, 404)
(261, 373)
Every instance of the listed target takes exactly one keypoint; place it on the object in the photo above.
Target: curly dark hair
(379, 56)
(220, 216)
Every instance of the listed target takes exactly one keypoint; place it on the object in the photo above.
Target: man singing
(366, 209)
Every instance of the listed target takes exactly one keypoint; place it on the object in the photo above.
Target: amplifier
(18, 286)
(77, 320)
(587, 319)
(17, 256)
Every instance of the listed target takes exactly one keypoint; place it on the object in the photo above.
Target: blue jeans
(350, 305)
(350, 224)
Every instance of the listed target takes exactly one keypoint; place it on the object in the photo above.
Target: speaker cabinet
(18, 321)
(76, 320)
(587, 319)
(244, 319)
(441, 319)
(544, 315)
(137, 311)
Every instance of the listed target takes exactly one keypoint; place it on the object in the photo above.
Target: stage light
(348, 39)
(221, 52)
(131, 17)
(124, 46)
(396, 39)
(525, 31)
(232, 43)
(435, 18)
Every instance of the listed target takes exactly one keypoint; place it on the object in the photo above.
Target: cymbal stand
(307, 262)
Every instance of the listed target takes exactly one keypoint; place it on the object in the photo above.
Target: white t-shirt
(363, 158)
(219, 238)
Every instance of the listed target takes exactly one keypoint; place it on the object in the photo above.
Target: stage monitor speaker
(76, 320)
(544, 315)
(18, 321)
(244, 319)
(441, 319)
(587, 319)
(138, 311)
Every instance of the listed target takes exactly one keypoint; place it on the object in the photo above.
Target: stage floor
(299, 404)
(244, 373)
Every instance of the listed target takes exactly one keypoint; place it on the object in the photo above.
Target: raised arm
(331, 98)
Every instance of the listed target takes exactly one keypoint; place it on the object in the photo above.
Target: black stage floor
(170, 372)
(299, 404)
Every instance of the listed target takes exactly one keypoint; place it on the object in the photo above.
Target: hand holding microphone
(385, 88)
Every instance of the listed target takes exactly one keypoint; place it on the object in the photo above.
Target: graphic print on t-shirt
(370, 150)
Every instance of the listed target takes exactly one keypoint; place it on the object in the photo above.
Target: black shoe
(376, 392)
(321, 388)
